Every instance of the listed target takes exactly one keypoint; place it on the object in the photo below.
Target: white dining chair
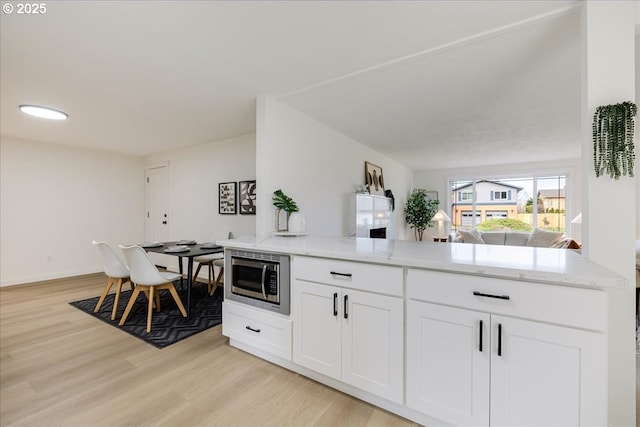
(211, 262)
(117, 274)
(150, 280)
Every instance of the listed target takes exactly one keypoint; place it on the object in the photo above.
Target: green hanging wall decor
(613, 147)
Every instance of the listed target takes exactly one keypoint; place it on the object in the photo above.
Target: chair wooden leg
(217, 282)
(116, 300)
(176, 298)
(150, 309)
(107, 288)
(132, 300)
(158, 301)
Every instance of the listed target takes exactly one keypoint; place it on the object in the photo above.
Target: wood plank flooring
(61, 367)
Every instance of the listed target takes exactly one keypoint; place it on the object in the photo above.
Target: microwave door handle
(264, 275)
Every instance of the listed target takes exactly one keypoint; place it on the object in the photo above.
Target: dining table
(191, 250)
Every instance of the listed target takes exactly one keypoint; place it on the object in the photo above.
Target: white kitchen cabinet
(347, 334)
(468, 365)
(546, 375)
(447, 364)
(318, 328)
(257, 328)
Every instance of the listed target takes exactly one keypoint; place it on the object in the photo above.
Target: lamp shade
(441, 216)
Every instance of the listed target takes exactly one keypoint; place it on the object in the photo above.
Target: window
(466, 196)
(509, 203)
(499, 195)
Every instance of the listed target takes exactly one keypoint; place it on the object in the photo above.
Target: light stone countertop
(543, 265)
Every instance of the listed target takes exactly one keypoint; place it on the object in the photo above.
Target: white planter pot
(296, 223)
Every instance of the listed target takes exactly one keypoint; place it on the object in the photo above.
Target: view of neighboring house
(552, 200)
(493, 200)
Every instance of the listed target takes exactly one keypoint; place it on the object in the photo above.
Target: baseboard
(51, 276)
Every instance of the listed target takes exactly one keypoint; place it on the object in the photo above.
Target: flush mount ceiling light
(43, 112)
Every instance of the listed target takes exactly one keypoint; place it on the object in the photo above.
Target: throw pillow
(493, 237)
(470, 236)
(543, 238)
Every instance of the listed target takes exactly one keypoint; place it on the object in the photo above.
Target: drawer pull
(335, 303)
(480, 294)
(335, 273)
(253, 330)
(480, 337)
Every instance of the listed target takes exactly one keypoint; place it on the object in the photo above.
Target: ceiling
(433, 84)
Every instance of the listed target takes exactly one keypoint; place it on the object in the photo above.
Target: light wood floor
(61, 367)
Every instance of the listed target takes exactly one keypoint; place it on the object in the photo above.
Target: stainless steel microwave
(256, 278)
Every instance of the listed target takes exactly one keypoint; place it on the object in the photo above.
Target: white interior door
(157, 197)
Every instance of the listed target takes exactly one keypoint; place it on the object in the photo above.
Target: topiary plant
(419, 211)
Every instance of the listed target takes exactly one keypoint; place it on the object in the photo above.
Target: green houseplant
(282, 202)
(419, 211)
(613, 148)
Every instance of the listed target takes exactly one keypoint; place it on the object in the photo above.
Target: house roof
(550, 194)
(515, 187)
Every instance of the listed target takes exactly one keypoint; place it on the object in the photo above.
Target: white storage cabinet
(348, 323)
(496, 352)
(258, 328)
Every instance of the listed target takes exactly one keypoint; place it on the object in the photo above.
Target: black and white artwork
(247, 197)
(373, 178)
(227, 198)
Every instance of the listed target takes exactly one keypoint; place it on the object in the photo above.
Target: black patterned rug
(168, 326)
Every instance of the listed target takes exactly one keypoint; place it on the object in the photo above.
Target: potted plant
(613, 148)
(419, 211)
(282, 202)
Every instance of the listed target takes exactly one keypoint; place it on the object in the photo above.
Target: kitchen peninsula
(454, 333)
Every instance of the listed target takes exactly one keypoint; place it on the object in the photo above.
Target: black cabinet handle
(335, 303)
(253, 330)
(499, 339)
(480, 337)
(335, 273)
(480, 294)
(346, 304)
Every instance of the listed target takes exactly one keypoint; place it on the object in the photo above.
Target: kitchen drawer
(570, 306)
(257, 328)
(354, 275)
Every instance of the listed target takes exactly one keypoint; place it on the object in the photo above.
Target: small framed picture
(227, 198)
(374, 179)
(247, 196)
(431, 195)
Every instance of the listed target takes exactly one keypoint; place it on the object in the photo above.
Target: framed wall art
(374, 179)
(227, 198)
(247, 195)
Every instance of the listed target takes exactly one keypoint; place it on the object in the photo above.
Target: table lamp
(441, 217)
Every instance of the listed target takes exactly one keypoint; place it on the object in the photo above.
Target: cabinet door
(372, 343)
(547, 375)
(317, 328)
(448, 356)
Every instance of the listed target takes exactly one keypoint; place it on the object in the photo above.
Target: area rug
(168, 326)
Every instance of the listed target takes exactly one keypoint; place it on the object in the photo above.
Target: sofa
(538, 238)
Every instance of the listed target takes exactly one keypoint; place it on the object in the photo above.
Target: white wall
(194, 174)
(318, 167)
(608, 35)
(55, 199)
